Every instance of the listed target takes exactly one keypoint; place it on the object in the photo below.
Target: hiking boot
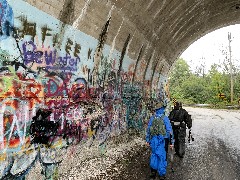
(162, 177)
(181, 156)
(152, 176)
(176, 154)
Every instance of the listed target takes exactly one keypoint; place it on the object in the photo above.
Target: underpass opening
(208, 71)
(206, 79)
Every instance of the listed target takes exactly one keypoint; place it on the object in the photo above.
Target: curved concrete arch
(171, 22)
(169, 26)
(205, 33)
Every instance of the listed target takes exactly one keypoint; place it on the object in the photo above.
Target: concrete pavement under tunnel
(78, 71)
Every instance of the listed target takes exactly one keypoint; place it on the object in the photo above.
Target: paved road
(214, 155)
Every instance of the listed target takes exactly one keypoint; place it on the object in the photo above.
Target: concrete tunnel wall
(92, 87)
(93, 64)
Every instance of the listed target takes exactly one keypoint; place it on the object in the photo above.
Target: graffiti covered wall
(60, 86)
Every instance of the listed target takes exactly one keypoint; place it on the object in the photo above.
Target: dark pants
(179, 136)
(176, 144)
(154, 174)
(166, 145)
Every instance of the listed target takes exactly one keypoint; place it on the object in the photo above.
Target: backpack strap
(155, 116)
(161, 117)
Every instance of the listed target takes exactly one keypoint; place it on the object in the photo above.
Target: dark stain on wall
(161, 68)
(159, 75)
(67, 12)
(148, 62)
(98, 53)
(123, 54)
(67, 17)
(138, 58)
(103, 36)
(154, 67)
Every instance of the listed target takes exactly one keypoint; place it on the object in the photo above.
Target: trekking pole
(190, 137)
(171, 159)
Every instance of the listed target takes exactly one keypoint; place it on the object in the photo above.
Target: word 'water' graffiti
(49, 59)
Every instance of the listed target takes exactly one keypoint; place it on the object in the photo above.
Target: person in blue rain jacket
(159, 143)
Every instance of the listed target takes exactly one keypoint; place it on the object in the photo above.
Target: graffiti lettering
(28, 28)
(30, 53)
(64, 63)
(45, 32)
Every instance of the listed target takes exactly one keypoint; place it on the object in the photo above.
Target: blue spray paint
(6, 19)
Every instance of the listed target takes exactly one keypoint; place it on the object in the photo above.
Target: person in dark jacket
(158, 161)
(180, 118)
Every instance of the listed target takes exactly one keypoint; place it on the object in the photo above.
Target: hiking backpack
(158, 126)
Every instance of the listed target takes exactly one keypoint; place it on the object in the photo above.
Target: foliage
(201, 88)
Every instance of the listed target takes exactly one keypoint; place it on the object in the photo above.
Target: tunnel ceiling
(165, 27)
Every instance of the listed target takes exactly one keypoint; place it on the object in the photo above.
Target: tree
(216, 84)
(180, 72)
(195, 89)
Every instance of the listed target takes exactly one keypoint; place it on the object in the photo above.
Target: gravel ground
(214, 155)
(81, 162)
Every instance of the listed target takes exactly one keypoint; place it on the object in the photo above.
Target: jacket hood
(160, 110)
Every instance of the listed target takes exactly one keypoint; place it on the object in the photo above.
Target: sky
(207, 50)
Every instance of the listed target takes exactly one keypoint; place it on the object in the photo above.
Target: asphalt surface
(214, 154)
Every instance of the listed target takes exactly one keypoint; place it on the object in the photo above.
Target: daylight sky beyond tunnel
(208, 49)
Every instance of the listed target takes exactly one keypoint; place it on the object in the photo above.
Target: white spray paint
(80, 17)
(15, 121)
(159, 28)
(159, 10)
(110, 12)
(62, 120)
(26, 118)
(149, 5)
(1, 127)
(130, 42)
(114, 40)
